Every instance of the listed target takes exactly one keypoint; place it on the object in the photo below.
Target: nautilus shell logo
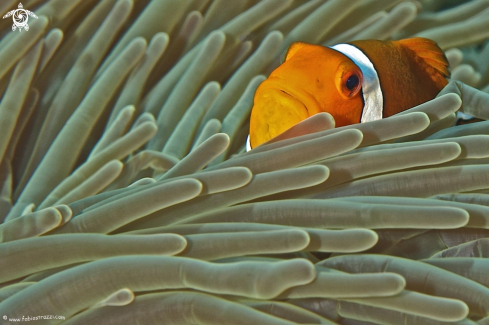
(20, 17)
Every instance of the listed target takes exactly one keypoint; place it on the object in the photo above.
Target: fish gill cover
(126, 195)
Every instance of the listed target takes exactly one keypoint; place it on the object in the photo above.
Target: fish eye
(348, 80)
(352, 82)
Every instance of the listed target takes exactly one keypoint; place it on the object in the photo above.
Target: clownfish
(355, 82)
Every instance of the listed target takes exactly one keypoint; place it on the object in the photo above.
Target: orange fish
(355, 82)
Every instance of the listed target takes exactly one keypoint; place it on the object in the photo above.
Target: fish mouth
(286, 93)
(291, 89)
(275, 110)
(290, 103)
(290, 94)
(295, 98)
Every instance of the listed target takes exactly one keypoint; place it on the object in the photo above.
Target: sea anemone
(126, 194)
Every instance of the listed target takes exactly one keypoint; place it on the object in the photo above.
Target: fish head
(312, 79)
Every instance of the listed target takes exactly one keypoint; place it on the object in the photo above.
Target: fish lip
(286, 93)
(296, 98)
(278, 84)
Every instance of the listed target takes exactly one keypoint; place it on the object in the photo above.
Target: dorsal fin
(427, 51)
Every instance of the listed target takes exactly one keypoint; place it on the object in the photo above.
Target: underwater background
(127, 197)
